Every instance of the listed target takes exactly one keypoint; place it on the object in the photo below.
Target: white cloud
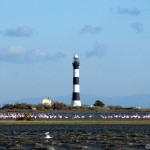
(41, 53)
(19, 54)
(17, 50)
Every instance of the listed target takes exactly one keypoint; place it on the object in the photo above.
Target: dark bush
(26, 117)
(8, 106)
(115, 107)
(59, 106)
(22, 106)
(99, 103)
(40, 107)
(47, 106)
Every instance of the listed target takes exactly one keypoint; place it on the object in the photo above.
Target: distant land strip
(121, 122)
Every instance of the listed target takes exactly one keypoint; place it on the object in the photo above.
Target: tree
(40, 107)
(115, 107)
(8, 106)
(58, 106)
(99, 103)
(22, 106)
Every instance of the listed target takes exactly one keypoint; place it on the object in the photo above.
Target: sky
(38, 40)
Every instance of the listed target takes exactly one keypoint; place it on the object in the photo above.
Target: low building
(33, 107)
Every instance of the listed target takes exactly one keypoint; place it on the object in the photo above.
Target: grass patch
(24, 122)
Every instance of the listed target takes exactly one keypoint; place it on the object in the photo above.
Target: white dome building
(47, 101)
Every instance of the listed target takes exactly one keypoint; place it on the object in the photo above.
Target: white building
(47, 101)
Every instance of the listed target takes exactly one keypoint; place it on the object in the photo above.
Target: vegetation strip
(138, 122)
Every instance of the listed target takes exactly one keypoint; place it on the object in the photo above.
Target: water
(71, 137)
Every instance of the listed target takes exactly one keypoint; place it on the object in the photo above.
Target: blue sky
(40, 38)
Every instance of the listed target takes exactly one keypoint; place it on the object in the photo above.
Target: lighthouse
(76, 86)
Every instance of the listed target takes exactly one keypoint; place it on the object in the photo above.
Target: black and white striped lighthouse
(76, 86)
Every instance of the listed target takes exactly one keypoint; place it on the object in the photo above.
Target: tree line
(44, 107)
(97, 106)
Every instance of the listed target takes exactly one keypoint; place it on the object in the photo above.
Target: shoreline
(106, 122)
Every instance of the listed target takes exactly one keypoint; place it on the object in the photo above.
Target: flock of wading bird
(76, 116)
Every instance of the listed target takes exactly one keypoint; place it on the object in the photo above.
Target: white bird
(47, 135)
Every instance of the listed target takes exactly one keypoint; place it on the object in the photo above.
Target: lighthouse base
(76, 103)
